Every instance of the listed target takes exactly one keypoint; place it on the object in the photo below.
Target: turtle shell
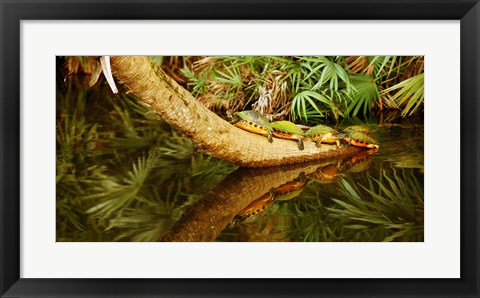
(319, 130)
(326, 174)
(357, 128)
(255, 118)
(360, 136)
(322, 134)
(288, 130)
(253, 122)
(288, 127)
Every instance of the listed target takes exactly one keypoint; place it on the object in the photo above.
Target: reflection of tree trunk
(208, 217)
(208, 131)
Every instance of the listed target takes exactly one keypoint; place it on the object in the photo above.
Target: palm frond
(391, 205)
(365, 96)
(409, 96)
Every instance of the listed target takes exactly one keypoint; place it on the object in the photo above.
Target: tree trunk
(208, 131)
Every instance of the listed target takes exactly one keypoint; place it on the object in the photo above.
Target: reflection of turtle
(327, 174)
(252, 122)
(255, 207)
(323, 134)
(291, 189)
(360, 162)
(284, 192)
(288, 130)
(360, 136)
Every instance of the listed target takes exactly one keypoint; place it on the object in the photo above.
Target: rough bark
(208, 131)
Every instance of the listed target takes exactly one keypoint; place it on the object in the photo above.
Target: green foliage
(366, 95)
(157, 60)
(309, 89)
(409, 95)
(386, 209)
(310, 220)
(123, 174)
(362, 207)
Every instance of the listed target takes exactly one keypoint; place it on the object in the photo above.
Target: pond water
(371, 196)
(125, 175)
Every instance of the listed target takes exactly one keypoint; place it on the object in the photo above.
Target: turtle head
(242, 217)
(233, 118)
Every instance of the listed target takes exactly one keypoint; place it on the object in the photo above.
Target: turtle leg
(230, 117)
(300, 144)
(339, 164)
(319, 142)
(338, 143)
(234, 119)
(272, 194)
(349, 141)
(302, 177)
(269, 137)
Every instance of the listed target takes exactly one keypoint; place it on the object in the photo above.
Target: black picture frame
(12, 12)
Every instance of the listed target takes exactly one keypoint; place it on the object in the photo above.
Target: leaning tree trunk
(208, 131)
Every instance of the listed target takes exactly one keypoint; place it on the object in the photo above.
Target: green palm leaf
(410, 94)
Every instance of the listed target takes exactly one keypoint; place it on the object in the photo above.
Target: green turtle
(288, 130)
(359, 136)
(323, 134)
(253, 122)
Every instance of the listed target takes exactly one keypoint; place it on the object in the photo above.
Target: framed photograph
(199, 148)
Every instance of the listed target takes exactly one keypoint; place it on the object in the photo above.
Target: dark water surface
(372, 196)
(125, 175)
